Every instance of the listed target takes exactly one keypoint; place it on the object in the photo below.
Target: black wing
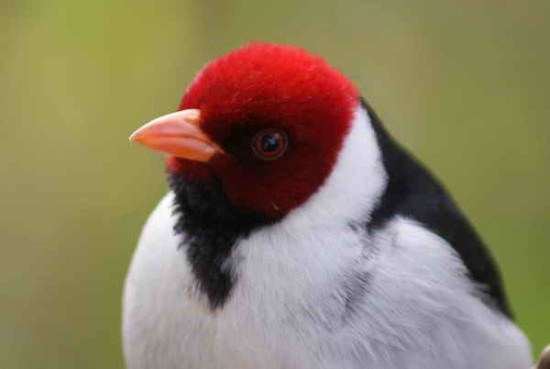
(413, 192)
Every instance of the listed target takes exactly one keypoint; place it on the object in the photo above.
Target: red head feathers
(276, 116)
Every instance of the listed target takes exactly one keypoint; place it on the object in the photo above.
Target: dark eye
(270, 144)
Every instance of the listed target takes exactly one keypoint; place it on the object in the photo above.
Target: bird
(297, 233)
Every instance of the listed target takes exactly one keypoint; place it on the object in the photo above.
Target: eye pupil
(269, 144)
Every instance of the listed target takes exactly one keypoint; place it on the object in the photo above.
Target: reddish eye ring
(270, 144)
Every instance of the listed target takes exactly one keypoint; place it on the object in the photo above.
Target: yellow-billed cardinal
(298, 234)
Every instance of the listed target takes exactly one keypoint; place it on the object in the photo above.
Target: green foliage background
(463, 83)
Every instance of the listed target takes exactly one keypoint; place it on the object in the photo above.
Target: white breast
(418, 310)
(264, 324)
(295, 303)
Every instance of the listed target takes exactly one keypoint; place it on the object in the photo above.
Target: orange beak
(178, 134)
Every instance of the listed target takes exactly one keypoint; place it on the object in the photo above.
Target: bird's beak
(178, 134)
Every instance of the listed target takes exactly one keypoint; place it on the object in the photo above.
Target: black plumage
(413, 192)
(210, 226)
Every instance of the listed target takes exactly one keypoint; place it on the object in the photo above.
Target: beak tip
(136, 136)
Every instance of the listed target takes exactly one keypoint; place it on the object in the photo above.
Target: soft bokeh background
(464, 84)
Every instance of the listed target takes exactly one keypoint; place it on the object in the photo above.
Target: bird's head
(263, 124)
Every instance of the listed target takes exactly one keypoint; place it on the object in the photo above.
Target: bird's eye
(270, 144)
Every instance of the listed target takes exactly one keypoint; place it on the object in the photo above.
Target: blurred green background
(464, 84)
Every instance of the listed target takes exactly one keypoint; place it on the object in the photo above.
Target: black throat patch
(211, 227)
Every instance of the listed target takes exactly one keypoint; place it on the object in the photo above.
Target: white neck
(356, 183)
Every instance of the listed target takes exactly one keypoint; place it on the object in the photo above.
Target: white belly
(284, 314)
